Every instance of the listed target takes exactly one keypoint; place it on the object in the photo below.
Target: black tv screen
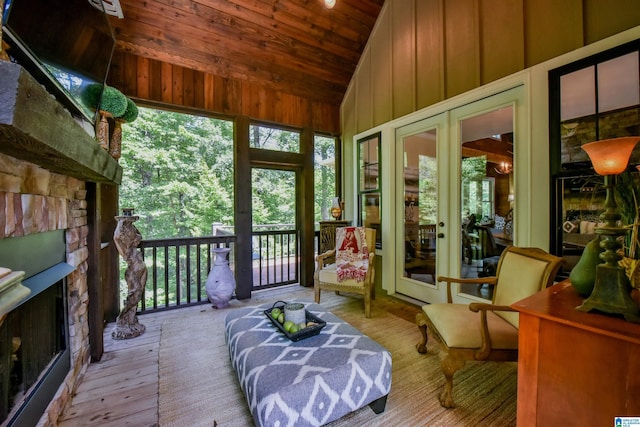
(64, 44)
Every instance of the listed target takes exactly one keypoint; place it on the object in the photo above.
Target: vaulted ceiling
(298, 47)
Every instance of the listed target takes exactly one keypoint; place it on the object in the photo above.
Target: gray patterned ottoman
(309, 382)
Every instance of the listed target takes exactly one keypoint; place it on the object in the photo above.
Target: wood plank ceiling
(294, 46)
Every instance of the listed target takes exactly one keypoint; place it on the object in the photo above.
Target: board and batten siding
(170, 85)
(422, 52)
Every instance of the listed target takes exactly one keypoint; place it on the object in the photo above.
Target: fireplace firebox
(34, 348)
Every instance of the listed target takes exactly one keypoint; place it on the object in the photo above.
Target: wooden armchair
(481, 331)
(326, 275)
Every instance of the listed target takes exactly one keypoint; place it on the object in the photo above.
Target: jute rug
(198, 387)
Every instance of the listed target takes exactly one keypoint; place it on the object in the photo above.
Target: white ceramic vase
(221, 282)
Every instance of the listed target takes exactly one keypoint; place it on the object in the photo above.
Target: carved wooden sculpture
(127, 238)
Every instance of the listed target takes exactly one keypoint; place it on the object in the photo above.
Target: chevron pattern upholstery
(309, 382)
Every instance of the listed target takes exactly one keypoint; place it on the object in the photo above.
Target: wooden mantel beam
(36, 128)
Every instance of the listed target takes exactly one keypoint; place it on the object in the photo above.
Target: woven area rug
(198, 387)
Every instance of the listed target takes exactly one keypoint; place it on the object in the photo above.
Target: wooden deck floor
(122, 388)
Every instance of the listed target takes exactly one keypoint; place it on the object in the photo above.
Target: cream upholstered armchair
(353, 270)
(482, 331)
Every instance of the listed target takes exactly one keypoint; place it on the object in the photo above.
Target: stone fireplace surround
(43, 202)
(46, 160)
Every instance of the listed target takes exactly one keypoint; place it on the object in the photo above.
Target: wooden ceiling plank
(324, 36)
(209, 23)
(301, 14)
(291, 47)
(275, 74)
(330, 94)
(205, 61)
(257, 51)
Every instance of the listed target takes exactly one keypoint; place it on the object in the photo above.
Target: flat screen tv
(65, 44)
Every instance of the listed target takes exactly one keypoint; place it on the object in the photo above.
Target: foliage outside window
(477, 198)
(325, 176)
(273, 201)
(478, 195)
(369, 183)
(271, 138)
(427, 203)
(177, 173)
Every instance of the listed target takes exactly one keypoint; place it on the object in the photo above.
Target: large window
(177, 173)
(326, 178)
(369, 184)
(592, 99)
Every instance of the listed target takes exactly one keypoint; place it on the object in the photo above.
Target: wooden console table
(574, 368)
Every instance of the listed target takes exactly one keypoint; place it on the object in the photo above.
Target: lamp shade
(611, 156)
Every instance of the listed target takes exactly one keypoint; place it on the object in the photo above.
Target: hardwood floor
(122, 388)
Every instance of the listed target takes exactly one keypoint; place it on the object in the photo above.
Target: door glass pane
(487, 194)
(420, 206)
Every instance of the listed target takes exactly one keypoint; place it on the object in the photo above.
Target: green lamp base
(611, 294)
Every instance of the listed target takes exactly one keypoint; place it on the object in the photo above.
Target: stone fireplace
(48, 162)
(34, 201)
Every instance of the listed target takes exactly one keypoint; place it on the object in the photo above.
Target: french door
(455, 195)
(421, 158)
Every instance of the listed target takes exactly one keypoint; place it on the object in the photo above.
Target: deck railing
(276, 258)
(178, 267)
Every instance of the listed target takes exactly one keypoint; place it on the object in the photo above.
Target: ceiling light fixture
(504, 168)
(329, 3)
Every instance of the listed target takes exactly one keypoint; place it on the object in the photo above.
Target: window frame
(558, 173)
(365, 192)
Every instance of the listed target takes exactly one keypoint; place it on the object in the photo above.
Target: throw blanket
(352, 253)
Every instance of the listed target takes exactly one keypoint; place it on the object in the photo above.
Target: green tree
(325, 176)
(273, 196)
(177, 173)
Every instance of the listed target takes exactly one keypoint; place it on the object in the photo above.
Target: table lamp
(611, 292)
(336, 208)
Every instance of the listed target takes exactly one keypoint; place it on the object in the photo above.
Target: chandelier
(504, 168)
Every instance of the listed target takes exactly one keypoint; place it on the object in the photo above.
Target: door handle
(440, 235)
(441, 224)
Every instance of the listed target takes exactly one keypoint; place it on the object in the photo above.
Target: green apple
(288, 324)
(281, 318)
